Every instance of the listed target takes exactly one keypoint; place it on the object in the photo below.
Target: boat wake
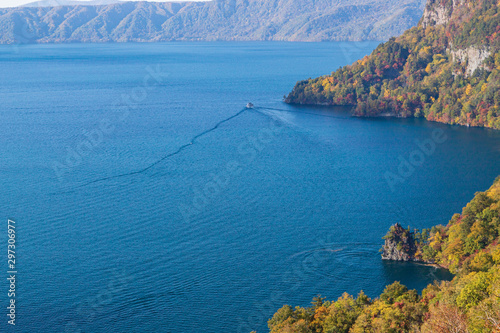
(193, 141)
(301, 112)
(179, 150)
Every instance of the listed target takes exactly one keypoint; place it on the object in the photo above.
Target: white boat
(249, 106)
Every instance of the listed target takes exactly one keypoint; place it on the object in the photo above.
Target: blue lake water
(147, 199)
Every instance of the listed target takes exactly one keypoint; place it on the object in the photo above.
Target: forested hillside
(228, 20)
(446, 69)
(468, 245)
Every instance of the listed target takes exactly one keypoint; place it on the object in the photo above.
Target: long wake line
(180, 149)
(193, 141)
(302, 112)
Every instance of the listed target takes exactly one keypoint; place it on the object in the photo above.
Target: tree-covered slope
(278, 20)
(446, 69)
(468, 245)
(459, 246)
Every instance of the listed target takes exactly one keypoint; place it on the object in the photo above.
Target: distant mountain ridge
(226, 20)
(56, 3)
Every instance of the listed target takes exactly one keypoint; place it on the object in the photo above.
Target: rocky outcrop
(471, 58)
(436, 12)
(399, 244)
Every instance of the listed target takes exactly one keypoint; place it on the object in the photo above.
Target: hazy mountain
(285, 20)
(55, 3)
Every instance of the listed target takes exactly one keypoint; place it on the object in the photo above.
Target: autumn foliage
(468, 245)
(416, 75)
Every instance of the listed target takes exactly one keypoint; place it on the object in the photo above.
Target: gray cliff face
(277, 20)
(435, 13)
(471, 58)
(399, 245)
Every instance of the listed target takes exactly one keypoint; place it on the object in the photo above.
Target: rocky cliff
(471, 58)
(399, 244)
(438, 13)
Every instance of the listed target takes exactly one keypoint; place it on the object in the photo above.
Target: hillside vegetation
(446, 69)
(228, 20)
(468, 246)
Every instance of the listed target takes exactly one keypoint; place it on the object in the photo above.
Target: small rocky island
(399, 244)
(406, 245)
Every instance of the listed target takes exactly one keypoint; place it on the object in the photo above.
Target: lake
(147, 198)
